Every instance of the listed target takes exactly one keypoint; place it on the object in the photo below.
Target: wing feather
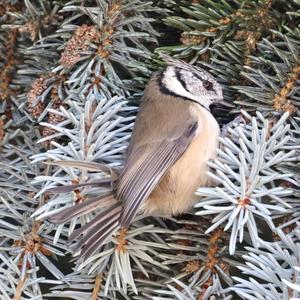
(138, 180)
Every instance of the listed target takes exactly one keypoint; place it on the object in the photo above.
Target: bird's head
(190, 82)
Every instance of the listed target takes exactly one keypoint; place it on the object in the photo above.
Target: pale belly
(175, 193)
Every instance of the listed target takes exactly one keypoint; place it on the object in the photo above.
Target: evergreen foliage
(71, 77)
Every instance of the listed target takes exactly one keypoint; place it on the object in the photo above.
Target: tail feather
(104, 182)
(89, 249)
(97, 231)
(87, 206)
(101, 218)
(85, 165)
(92, 235)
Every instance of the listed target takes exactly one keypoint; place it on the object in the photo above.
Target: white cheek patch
(171, 82)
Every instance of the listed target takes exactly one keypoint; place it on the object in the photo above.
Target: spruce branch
(68, 71)
(211, 24)
(245, 170)
(295, 285)
(201, 262)
(184, 292)
(80, 286)
(272, 269)
(135, 246)
(128, 256)
(108, 38)
(22, 25)
(95, 131)
(227, 36)
(26, 245)
(274, 75)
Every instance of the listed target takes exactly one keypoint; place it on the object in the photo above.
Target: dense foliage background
(71, 77)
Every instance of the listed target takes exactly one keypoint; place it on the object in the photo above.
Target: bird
(174, 137)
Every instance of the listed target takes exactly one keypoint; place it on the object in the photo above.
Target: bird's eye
(208, 85)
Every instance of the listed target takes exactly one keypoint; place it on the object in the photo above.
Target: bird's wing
(146, 166)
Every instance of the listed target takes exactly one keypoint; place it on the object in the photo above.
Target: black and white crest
(190, 82)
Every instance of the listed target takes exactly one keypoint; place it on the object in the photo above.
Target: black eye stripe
(198, 77)
(180, 78)
(206, 83)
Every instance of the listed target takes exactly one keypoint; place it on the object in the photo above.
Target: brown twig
(1, 130)
(19, 289)
(7, 71)
(122, 242)
(281, 101)
(98, 283)
(211, 259)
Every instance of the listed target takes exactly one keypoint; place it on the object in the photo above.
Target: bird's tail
(96, 232)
